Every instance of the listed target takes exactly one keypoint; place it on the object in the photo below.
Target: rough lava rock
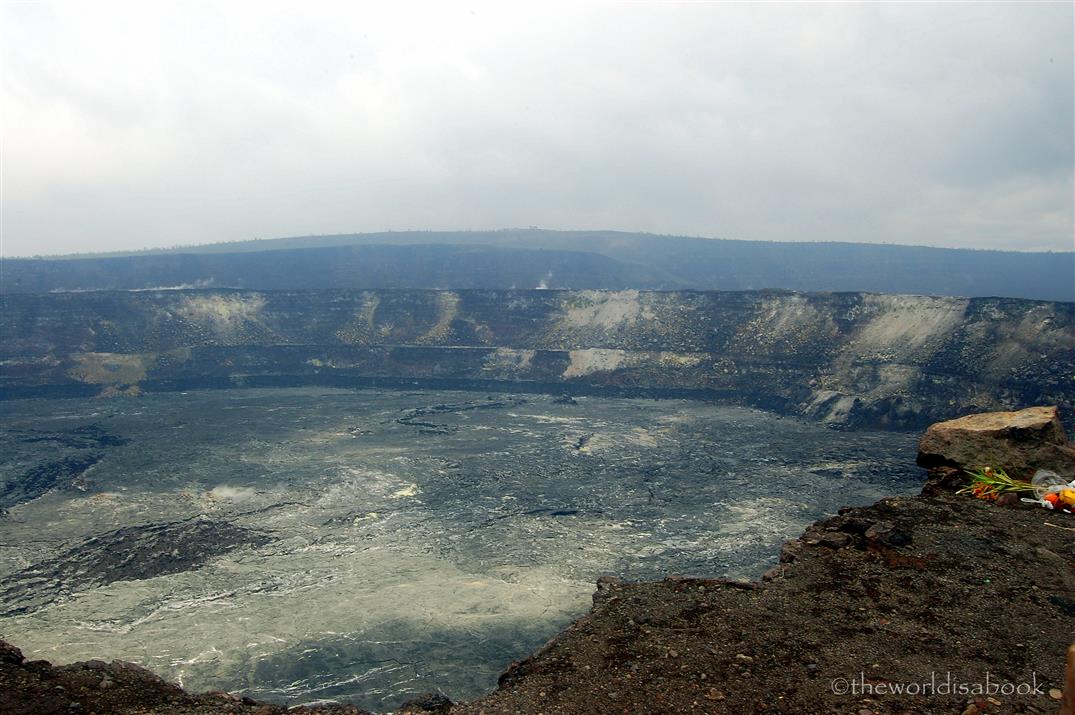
(39, 687)
(1019, 442)
(435, 703)
(132, 553)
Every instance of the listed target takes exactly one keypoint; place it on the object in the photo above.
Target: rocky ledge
(936, 603)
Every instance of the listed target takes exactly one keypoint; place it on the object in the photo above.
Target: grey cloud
(941, 124)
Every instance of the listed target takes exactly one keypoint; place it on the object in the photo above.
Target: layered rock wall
(847, 358)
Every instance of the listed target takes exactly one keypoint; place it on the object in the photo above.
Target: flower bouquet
(1050, 490)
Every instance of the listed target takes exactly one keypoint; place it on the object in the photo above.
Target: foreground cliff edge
(935, 603)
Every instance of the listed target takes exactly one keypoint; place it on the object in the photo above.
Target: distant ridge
(532, 258)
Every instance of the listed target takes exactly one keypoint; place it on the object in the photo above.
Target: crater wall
(855, 359)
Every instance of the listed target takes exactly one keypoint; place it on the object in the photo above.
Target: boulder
(1019, 442)
(10, 654)
(433, 703)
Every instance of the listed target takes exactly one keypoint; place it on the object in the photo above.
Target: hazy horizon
(433, 231)
(131, 126)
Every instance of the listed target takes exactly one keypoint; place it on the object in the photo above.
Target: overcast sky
(150, 124)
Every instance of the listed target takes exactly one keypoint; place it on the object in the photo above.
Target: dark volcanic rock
(78, 438)
(58, 474)
(10, 654)
(1019, 442)
(40, 688)
(891, 607)
(435, 703)
(61, 472)
(128, 554)
(413, 418)
(888, 593)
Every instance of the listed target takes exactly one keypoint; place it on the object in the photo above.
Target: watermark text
(937, 684)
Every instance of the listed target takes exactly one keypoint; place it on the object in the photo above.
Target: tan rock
(1019, 442)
